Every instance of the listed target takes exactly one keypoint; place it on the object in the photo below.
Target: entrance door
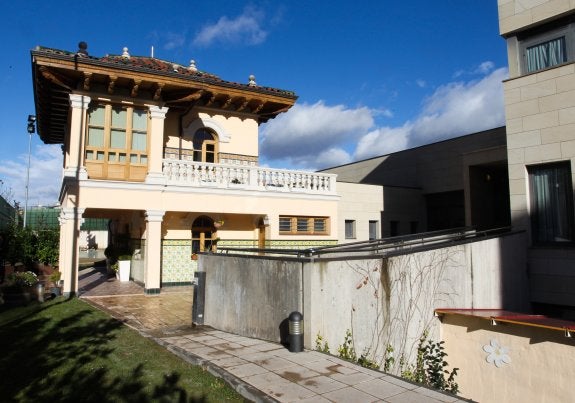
(202, 234)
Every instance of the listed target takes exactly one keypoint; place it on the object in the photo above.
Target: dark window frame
(545, 35)
(551, 204)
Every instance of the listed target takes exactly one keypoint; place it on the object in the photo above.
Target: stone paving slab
(304, 376)
(261, 371)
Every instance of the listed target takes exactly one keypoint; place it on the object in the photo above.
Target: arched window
(202, 234)
(205, 146)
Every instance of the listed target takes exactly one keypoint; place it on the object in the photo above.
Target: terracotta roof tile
(151, 64)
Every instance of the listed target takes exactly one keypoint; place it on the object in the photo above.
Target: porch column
(70, 221)
(153, 252)
(155, 173)
(73, 163)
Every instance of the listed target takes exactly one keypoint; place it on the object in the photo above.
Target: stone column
(153, 252)
(70, 221)
(74, 156)
(156, 130)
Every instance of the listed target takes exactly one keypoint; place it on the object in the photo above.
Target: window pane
(89, 155)
(117, 139)
(96, 116)
(200, 136)
(119, 118)
(546, 54)
(143, 159)
(134, 158)
(349, 229)
(122, 157)
(551, 203)
(95, 137)
(302, 225)
(373, 230)
(139, 120)
(112, 157)
(285, 224)
(319, 225)
(139, 141)
(100, 155)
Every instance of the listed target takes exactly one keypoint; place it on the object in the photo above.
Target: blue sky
(372, 77)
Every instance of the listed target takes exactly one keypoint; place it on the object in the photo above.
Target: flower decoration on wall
(496, 354)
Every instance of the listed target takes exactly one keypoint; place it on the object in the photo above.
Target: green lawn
(67, 351)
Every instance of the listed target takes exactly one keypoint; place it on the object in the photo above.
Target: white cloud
(461, 108)
(244, 29)
(382, 141)
(302, 135)
(305, 132)
(45, 176)
(485, 67)
(174, 40)
(421, 83)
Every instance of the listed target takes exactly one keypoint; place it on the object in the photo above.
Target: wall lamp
(31, 130)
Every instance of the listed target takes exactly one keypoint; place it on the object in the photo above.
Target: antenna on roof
(152, 51)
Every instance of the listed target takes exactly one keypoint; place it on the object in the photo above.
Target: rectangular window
(551, 197)
(116, 142)
(546, 54)
(289, 225)
(547, 47)
(373, 233)
(349, 229)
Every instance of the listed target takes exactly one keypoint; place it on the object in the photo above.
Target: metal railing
(384, 246)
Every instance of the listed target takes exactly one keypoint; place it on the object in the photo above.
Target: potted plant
(123, 263)
(55, 288)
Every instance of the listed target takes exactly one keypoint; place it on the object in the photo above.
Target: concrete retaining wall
(382, 301)
(250, 296)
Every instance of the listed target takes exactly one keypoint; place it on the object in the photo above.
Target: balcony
(246, 177)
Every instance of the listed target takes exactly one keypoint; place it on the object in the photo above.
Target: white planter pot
(124, 270)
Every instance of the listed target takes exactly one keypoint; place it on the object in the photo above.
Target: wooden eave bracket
(158, 92)
(87, 78)
(54, 78)
(135, 88)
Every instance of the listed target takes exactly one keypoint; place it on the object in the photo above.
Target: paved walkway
(259, 370)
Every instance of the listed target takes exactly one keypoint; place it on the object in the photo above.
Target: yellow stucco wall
(541, 361)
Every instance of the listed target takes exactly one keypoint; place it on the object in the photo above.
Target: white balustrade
(202, 174)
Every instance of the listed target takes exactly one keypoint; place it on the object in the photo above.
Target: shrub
(20, 245)
(48, 251)
(430, 366)
(23, 279)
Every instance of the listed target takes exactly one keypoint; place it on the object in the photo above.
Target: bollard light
(295, 337)
(40, 291)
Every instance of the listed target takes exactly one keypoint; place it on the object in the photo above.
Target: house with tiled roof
(169, 155)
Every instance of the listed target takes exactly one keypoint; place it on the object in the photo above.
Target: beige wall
(361, 203)
(540, 113)
(541, 368)
(516, 14)
(218, 202)
(433, 168)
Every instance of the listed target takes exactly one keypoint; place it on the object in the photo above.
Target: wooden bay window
(117, 143)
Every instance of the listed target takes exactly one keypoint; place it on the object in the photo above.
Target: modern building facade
(540, 117)
(169, 155)
(460, 182)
